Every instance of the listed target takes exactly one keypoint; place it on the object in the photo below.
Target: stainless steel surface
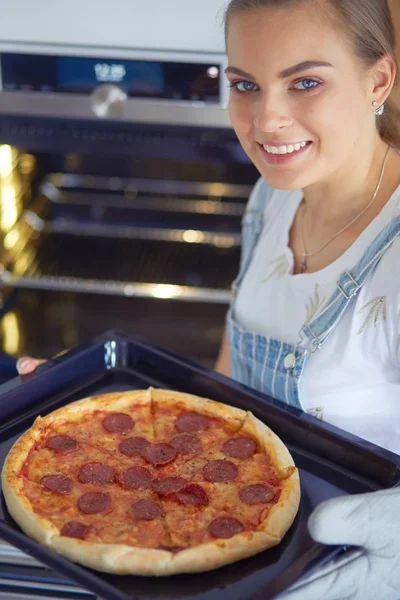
(118, 288)
(13, 556)
(33, 586)
(210, 190)
(192, 236)
(31, 595)
(30, 586)
(136, 110)
(209, 207)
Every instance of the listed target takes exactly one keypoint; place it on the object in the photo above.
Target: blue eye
(243, 86)
(307, 84)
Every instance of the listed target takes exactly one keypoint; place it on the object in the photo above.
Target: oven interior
(118, 226)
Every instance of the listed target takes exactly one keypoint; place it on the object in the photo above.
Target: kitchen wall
(168, 24)
(163, 23)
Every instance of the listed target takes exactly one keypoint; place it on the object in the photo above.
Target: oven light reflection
(157, 290)
(21, 264)
(224, 241)
(193, 237)
(10, 188)
(217, 190)
(165, 290)
(11, 239)
(6, 160)
(10, 333)
(8, 202)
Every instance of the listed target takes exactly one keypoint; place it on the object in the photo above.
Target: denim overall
(275, 367)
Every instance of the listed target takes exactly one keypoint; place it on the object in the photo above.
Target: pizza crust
(123, 559)
(113, 402)
(18, 505)
(282, 514)
(211, 408)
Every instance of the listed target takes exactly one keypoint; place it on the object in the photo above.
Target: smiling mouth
(285, 148)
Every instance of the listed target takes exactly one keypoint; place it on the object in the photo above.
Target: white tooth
(297, 147)
(282, 150)
(274, 150)
(290, 148)
(303, 144)
(268, 148)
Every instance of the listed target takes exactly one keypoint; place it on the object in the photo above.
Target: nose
(270, 116)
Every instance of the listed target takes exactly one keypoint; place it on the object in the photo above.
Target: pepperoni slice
(61, 443)
(57, 483)
(257, 493)
(225, 527)
(160, 454)
(190, 422)
(239, 447)
(75, 529)
(186, 443)
(96, 472)
(135, 478)
(133, 446)
(220, 471)
(147, 510)
(192, 494)
(173, 549)
(168, 485)
(92, 503)
(118, 423)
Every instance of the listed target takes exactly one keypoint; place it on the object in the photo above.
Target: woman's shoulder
(384, 282)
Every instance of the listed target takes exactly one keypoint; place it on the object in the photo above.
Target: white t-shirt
(353, 381)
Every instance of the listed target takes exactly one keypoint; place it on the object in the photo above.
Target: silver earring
(378, 111)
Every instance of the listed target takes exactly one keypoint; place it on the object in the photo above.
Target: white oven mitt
(372, 571)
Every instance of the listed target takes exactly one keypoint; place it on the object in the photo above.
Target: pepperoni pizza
(151, 482)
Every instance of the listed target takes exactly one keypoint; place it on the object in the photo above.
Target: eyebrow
(303, 66)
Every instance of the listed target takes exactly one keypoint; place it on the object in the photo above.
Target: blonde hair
(370, 29)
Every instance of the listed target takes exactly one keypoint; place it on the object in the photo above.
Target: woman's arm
(223, 363)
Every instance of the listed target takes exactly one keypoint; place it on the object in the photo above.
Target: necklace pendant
(303, 265)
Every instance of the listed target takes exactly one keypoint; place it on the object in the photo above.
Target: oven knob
(108, 101)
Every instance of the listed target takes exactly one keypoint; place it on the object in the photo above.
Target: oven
(122, 189)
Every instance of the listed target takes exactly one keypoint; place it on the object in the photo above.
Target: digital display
(134, 77)
(137, 78)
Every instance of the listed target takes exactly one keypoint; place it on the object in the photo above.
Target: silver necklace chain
(305, 254)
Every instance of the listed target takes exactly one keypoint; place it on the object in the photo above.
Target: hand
(372, 572)
(26, 364)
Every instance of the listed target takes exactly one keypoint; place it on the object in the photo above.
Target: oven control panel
(151, 79)
(171, 88)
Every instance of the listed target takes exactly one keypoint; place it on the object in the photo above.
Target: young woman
(315, 320)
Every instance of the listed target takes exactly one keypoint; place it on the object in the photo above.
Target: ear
(383, 76)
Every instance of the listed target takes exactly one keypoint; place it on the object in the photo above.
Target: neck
(347, 191)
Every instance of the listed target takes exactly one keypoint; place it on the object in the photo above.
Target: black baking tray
(330, 462)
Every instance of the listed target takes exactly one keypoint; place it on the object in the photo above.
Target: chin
(284, 181)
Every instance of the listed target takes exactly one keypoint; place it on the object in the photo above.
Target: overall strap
(348, 285)
(252, 225)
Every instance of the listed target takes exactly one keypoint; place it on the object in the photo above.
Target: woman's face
(298, 101)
